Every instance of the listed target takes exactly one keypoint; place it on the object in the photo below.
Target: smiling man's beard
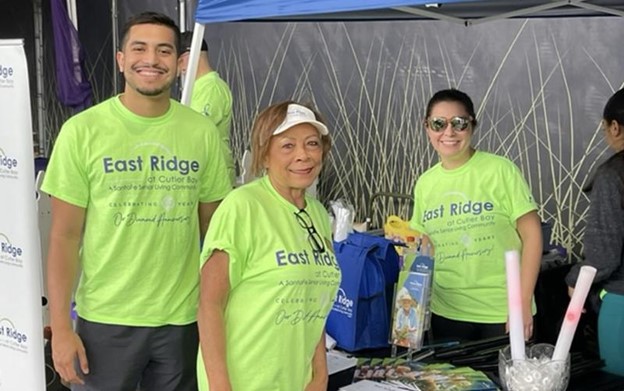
(153, 92)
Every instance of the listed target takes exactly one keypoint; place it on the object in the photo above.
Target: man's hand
(66, 347)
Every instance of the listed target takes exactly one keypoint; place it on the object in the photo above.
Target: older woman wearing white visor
(268, 271)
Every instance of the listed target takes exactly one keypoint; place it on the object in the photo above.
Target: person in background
(603, 242)
(134, 181)
(269, 276)
(211, 95)
(473, 206)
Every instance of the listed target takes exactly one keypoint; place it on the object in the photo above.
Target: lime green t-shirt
(212, 97)
(470, 215)
(140, 180)
(281, 291)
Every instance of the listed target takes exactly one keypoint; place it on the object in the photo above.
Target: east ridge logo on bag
(343, 304)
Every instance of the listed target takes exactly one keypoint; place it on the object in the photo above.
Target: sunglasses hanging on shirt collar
(314, 238)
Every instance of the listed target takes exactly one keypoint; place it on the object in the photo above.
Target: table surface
(586, 373)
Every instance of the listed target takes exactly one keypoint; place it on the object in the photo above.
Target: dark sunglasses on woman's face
(439, 124)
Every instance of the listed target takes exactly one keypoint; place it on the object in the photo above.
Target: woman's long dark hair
(613, 111)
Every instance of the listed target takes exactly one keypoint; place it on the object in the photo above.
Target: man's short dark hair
(185, 42)
(151, 18)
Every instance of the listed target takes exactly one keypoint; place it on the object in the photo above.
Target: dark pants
(123, 358)
(444, 329)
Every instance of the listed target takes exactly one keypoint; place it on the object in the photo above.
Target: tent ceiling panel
(466, 12)
(231, 10)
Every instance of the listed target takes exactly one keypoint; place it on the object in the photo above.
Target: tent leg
(42, 139)
(115, 34)
(73, 12)
(182, 15)
(191, 71)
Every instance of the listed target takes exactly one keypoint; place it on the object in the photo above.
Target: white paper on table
(337, 362)
(330, 342)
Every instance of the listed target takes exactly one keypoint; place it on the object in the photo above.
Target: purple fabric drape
(72, 86)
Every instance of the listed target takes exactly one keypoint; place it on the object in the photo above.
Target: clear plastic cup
(538, 372)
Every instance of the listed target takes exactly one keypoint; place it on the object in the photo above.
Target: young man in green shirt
(134, 182)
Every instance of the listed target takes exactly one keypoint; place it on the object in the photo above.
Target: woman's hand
(214, 290)
(320, 376)
(317, 384)
(527, 320)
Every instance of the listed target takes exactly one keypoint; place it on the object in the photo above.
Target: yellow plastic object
(398, 230)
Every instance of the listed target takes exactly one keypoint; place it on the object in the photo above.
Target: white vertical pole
(191, 71)
(73, 12)
(182, 15)
(73, 16)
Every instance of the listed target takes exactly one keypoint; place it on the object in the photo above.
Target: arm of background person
(530, 231)
(62, 266)
(603, 240)
(320, 376)
(214, 290)
(206, 210)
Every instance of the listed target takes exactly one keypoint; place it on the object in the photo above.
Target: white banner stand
(21, 329)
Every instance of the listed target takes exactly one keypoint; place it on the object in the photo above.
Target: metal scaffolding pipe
(115, 36)
(182, 15)
(42, 136)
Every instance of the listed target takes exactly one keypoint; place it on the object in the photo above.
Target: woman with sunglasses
(603, 242)
(473, 206)
(268, 271)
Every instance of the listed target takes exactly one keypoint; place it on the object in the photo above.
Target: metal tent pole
(182, 15)
(594, 7)
(42, 141)
(522, 12)
(191, 71)
(429, 14)
(115, 36)
(73, 12)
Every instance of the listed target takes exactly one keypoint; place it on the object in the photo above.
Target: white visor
(296, 115)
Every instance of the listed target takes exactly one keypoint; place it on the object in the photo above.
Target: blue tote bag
(388, 257)
(360, 318)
